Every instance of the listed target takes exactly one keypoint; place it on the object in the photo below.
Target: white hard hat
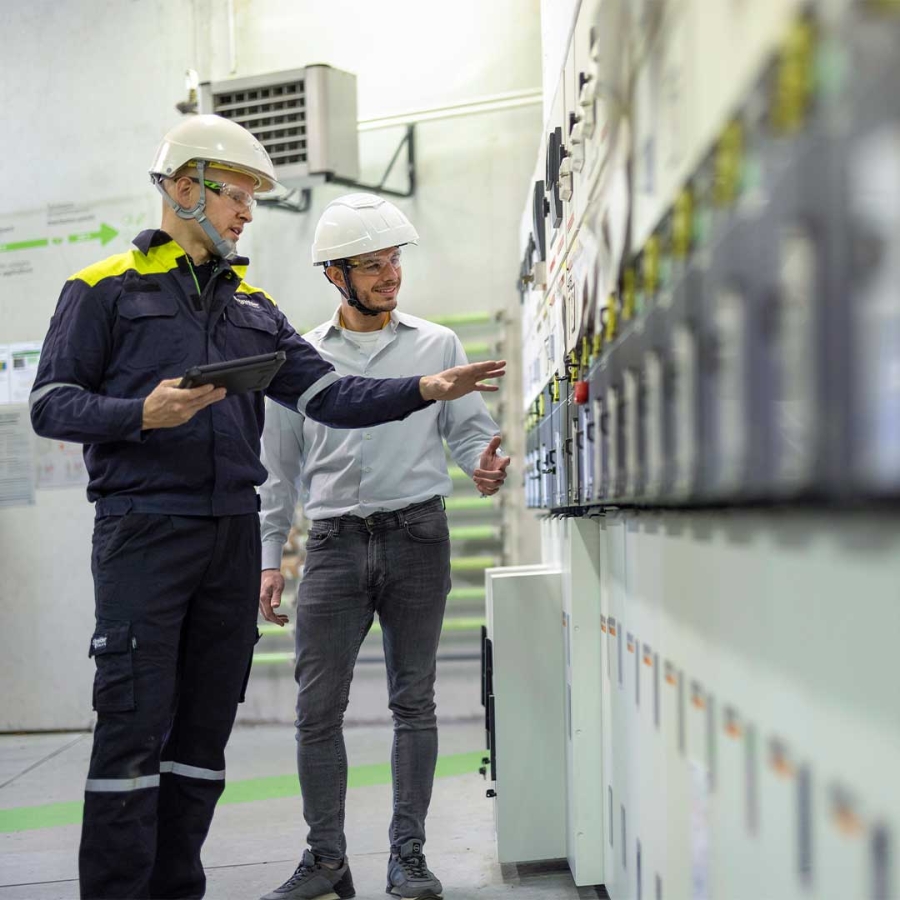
(360, 223)
(219, 141)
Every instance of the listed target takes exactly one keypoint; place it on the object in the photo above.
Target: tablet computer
(237, 376)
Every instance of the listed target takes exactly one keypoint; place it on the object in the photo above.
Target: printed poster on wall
(23, 363)
(58, 464)
(4, 374)
(16, 457)
(55, 463)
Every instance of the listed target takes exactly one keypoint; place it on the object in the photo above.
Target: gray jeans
(397, 565)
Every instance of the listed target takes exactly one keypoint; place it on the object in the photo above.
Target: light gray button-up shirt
(360, 471)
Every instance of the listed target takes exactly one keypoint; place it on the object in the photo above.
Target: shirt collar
(397, 318)
(156, 237)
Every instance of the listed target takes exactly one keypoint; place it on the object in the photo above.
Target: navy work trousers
(176, 605)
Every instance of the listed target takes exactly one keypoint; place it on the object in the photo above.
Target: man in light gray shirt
(378, 543)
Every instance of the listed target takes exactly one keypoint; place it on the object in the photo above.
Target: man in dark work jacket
(173, 475)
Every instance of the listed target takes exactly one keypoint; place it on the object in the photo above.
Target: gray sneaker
(409, 878)
(313, 881)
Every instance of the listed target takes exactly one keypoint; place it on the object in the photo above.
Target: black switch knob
(490, 793)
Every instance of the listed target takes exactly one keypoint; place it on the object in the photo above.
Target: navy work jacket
(124, 324)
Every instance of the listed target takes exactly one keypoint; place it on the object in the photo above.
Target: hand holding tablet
(237, 376)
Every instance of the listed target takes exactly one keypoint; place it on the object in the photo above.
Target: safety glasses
(375, 265)
(237, 195)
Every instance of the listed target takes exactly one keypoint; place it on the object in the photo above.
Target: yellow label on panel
(628, 294)
(795, 79)
(683, 224)
(728, 164)
(611, 324)
(650, 265)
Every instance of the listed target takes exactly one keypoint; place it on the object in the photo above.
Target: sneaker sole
(393, 892)
(331, 895)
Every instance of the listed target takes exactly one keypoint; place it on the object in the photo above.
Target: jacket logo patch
(252, 303)
(99, 642)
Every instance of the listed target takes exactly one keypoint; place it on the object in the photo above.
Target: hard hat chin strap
(224, 248)
(350, 292)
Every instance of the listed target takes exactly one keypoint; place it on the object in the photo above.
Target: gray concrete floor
(254, 846)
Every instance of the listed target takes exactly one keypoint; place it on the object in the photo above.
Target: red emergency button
(581, 392)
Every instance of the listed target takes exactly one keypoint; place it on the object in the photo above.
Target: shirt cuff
(271, 554)
(131, 415)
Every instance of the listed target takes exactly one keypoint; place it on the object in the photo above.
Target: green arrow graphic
(24, 245)
(104, 235)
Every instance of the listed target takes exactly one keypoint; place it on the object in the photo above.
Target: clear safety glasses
(375, 265)
(238, 196)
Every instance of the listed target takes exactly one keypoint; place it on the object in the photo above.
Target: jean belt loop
(336, 525)
(443, 502)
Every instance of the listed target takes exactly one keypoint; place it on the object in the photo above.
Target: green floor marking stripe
(48, 815)
(52, 815)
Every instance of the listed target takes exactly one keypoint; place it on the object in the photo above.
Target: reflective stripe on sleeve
(177, 768)
(121, 785)
(43, 391)
(315, 388)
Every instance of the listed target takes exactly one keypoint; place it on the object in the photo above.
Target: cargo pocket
(249, 667)
(112, 647)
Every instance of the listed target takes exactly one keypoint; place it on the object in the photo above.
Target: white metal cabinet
(584, 754)
(526, 699)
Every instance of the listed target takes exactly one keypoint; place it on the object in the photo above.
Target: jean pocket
(429, 530)
(112, 648)
(318, 536)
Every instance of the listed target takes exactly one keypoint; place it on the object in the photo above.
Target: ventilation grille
(275, 114)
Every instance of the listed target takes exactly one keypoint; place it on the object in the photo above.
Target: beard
(382, 303)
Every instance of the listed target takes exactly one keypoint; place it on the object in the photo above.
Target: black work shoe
(409, 878)
(314, 881)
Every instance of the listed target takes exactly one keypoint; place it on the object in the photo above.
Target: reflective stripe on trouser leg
(120, 785)
(169, 767)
